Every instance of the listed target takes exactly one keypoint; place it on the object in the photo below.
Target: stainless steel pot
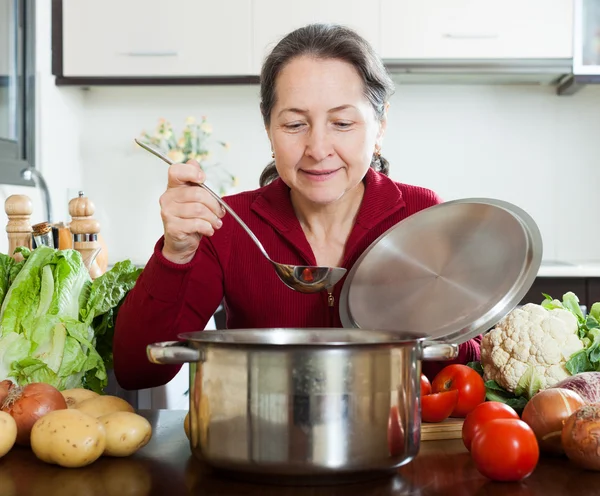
(303, 405)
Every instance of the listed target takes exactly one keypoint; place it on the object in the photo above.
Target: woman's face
(323, 129)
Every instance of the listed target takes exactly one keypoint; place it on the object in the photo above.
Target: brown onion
(28, 403)
(546, 414)
(580, 437)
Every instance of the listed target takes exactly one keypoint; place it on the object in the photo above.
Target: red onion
(586, 384)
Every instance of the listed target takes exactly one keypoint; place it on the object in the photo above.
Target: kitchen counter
(569, 269)
(166, 467)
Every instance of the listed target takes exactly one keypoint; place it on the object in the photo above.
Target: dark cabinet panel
(557, 287)
(593, 291)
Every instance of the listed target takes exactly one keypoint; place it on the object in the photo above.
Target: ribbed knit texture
(170, 299)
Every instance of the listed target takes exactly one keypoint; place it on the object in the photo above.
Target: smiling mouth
(320, 173)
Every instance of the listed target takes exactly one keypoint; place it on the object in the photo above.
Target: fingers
(194, 194)
(183, 174)
(179, 230)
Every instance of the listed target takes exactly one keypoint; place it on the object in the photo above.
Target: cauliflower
(530, 336)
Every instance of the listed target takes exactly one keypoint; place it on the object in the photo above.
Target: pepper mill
(19, 209)
(85, 231)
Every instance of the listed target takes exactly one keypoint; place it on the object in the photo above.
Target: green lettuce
(56, 325)
(587, 359)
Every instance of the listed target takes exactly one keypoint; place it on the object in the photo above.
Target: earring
(272, 154)
(377, 152)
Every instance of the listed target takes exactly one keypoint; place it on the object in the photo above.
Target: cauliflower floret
(530, 336)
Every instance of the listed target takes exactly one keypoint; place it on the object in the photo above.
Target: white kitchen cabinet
(476, 29)
(6, 39)
(133, 38)
(273, 19)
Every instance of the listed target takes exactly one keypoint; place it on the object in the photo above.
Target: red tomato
(437, 407)
(490, 410)
(425, 385)
(470, 386)
(395, 433)
(505, 450)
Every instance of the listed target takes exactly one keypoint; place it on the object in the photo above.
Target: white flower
(206, 128)
(176, 155)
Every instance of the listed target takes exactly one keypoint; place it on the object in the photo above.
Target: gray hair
(326, 41)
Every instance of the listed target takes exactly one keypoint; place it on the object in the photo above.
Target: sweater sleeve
(467, 352)
(168, 299)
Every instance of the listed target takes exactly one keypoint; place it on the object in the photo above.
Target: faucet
(30, 173)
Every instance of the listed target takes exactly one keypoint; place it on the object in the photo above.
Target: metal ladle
(301, 278)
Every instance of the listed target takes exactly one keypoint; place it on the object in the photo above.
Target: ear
(382, 125)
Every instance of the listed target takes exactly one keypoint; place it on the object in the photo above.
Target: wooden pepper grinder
(19, 209)
(85, 231)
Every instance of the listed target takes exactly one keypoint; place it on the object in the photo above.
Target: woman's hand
(188, 212)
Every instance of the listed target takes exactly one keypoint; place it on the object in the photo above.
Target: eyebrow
(303, 111)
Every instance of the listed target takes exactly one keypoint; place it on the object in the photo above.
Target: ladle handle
(214, 195)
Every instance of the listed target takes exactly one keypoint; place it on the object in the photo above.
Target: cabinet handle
(471, 36)
(150, 54)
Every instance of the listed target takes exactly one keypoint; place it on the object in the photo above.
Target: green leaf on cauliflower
(518, 403)
(571, 303)
(495, 392)
(579, 362)
(477, 367)
(529, 383)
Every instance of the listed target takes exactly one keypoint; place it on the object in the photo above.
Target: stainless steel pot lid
(449, 272)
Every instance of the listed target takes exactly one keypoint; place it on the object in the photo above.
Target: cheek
(357, 149)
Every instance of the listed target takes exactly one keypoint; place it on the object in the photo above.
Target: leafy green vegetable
(477, 367)
(495, 392)
(588, 359)
(6, 264)
(56, 325)
(529, 383)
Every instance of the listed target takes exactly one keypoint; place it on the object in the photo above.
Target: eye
(293, 126)
(343, 124)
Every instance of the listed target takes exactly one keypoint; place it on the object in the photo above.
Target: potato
(126, 433)
(103, 405)
(68, 438)
(8, 433)
(76, 395)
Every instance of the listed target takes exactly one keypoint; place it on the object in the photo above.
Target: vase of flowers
(194, 143)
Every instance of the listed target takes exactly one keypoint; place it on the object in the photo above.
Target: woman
(323, 200)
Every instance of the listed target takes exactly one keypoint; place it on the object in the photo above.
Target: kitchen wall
(519, 143)
(523, 144)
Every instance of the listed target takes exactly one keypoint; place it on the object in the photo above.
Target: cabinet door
(6, 39)
(114, 38)
(473, 29)
(586, 57)
(273, 19)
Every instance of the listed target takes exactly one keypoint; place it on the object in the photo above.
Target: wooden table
(165, 467)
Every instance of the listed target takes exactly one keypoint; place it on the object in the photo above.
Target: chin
(324, 197)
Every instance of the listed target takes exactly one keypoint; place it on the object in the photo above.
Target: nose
(319, 144)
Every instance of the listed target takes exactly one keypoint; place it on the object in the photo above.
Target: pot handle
(172, 352)
(439, 351)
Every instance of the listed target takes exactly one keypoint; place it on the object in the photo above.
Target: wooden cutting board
(451, 428)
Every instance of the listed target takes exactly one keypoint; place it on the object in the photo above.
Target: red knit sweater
(169, 298)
